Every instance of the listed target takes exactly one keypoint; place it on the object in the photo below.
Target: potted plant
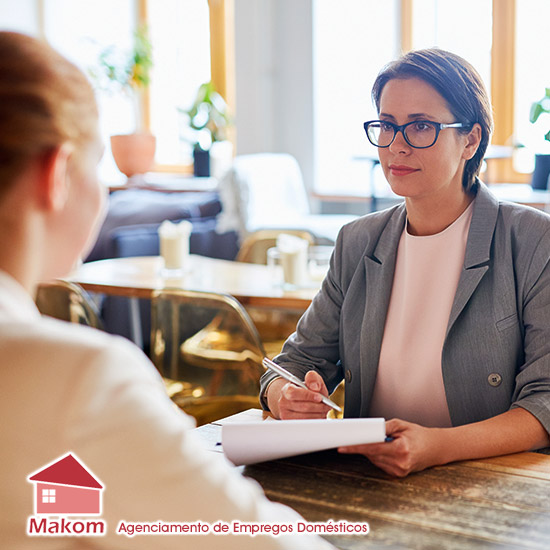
(542, 161)
(209, 120)
(129, 72)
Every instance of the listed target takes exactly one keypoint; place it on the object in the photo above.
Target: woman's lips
(398, 170)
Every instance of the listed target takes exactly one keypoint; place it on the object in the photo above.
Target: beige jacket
(71, 388)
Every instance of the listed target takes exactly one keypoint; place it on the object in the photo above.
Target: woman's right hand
(287, 401)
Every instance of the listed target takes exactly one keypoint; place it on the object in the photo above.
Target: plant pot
(541, 172)
(201, 163)
(134, 153)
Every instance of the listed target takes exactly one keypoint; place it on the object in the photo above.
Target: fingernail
(315, 386)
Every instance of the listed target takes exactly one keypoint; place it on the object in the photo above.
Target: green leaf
(536, 111)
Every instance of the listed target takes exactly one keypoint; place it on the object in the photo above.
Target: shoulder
(525, 230)
(520, 218)
(506, 231)
(61, 347)
(510, 217)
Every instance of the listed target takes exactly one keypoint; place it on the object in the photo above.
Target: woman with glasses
(436, 312)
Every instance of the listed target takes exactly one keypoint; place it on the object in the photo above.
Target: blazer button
(494, 379)
(348, 376)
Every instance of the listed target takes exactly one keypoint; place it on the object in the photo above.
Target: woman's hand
(287, 401)
(413, 448)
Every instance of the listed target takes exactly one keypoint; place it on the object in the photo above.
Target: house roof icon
(67, 471)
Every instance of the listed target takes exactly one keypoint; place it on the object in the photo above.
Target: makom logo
(66, 487)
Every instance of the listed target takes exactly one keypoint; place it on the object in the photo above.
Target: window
(532, 77)
(443, 24)
(507, 47)
(180, 36)
(48, 496)
(347, 55)
(185, 55)
(80, 31)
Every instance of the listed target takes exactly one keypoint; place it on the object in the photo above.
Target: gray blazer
(496, 353)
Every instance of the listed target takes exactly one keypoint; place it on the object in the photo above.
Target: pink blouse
(409, 383)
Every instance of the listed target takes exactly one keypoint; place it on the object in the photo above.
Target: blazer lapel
(379, 270)
(478, 250)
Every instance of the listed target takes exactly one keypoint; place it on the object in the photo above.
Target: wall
(20, 15)
(274, 80)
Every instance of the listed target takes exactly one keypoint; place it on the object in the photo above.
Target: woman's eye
(422, 127)
(386, 127)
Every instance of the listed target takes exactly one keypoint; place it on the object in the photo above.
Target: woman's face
(77, 225)
(435, 172)
(89, 193)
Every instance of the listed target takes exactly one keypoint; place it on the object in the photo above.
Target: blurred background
(295, 75)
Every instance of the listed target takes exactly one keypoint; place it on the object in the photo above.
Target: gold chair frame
(216, 360)
(68, 302)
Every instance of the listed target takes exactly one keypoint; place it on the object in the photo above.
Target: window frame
(222, 67)
(502, 90)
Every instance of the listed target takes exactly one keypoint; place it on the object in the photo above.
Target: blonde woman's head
(45, 102)
(49, 151)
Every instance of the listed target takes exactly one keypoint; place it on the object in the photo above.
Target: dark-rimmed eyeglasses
(419, 134)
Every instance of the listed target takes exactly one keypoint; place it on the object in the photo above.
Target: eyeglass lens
(418, 134)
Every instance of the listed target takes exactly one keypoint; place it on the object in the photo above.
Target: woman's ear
(473, 140)
(54, 181)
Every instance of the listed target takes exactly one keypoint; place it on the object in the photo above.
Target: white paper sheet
(251, 442)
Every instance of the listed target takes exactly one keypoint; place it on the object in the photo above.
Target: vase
(541, 172)
(134, 153)
(201, 163)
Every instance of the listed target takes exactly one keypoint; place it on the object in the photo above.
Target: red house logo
(66, 487)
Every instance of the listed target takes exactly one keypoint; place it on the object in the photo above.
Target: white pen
(268, 364)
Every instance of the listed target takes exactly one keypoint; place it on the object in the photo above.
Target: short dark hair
(458, 83)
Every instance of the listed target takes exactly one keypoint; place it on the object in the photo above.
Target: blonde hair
(45, 101)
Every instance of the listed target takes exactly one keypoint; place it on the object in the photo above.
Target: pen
(268, 364)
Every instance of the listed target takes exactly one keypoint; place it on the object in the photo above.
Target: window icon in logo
(48, 496)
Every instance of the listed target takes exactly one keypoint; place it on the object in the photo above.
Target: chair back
(262, 186)
(254, 248)
(68, 302)
(208, 341)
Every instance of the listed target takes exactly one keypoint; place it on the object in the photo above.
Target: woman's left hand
(413, 448)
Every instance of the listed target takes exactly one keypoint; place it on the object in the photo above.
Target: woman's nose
(399, 144)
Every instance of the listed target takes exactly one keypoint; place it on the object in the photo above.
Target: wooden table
(138, 277)
(499, 503)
